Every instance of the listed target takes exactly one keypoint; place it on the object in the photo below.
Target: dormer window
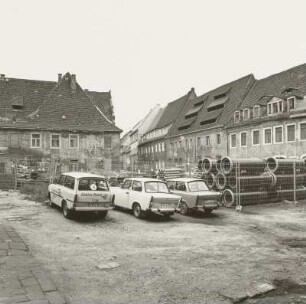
(256, 111)
(275, 107)
(291, 103)
(246, 114)
(17, 103)
(237, 116)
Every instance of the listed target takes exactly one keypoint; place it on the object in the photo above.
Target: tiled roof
(218, 106)
(51, 106)
(104, 101)
(172, 111)
(282, 85)
(156, 120)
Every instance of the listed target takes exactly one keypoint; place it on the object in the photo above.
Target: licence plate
(167, 206)
(95, 205)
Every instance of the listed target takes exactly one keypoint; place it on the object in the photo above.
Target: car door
(181, 189)
(56, 194)
(136, 194)
(122, 196)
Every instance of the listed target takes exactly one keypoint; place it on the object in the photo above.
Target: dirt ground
(225, 257)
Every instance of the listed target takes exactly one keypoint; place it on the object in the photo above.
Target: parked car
(145, 195)
(195, 195)
(80, 192)
(113, 181)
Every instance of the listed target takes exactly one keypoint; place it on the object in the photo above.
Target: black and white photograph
(153, 152)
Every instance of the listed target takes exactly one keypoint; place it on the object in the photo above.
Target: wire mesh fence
(254, 181)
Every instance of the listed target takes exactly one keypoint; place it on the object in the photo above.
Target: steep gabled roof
(51, 106)
(287, 83)
(173, 109)
(213, 108)
(104, 102)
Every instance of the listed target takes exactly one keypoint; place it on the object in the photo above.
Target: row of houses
(244, 118)
(57, 122)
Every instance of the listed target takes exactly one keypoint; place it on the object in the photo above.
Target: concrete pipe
(210, 180)
(265, 181)
(247, 166)
(200, 165)
(285, 166)
(290, 181)
(209, 165)
(229, 198)
(220, 181)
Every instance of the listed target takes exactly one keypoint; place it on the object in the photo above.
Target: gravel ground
(225, 257)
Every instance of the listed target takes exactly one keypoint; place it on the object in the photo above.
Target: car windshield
(156, 187)
(197, 186)
(92, 184)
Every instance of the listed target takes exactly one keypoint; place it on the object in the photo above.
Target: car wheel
(102, 214)
(49, 201)
(208, 211)
(137, 211)
(184, 208)
(66, 212)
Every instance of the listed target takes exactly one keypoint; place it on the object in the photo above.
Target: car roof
(82, 175)
(184, 179)
(145, 179)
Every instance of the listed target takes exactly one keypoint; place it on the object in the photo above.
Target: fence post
(294, 182)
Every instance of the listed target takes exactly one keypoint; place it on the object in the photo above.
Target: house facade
(200, 129)
(271, 121)
(43, 123)
(153, 148)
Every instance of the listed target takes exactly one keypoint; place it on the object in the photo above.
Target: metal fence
(245, 182)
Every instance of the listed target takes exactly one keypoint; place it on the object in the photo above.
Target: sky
(150, 52)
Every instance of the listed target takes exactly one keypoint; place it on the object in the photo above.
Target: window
(190, 143)
(127, 184)
(36, 140)
(73, 165)
(207, 140)
(246, 114)
(219, 139)
(233, 141)
(61, 180)
(256, 111)
(137, 186)
(55, 141)
(186, 142)
(180, 186)
(303, 131)
(237, 116)
(198, 142)
(290, 133)
(275, 107)
(92, 184)
(267, 136)
(291, 103)
(73, 141)
(108, 142)
(255, 137)
(243, 139)
(69, 182)
(278, 134)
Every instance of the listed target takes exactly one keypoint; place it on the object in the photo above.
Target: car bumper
(162, 210)
(92, 209)
(209, 206)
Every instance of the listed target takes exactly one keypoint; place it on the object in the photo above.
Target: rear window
(197, 186)
(92, 184)
(153, 187)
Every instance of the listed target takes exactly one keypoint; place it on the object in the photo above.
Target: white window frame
(294, 103)
(59, 135)
(246, 138)
(235, 120)
(274, 134)
(264, 136)
(254, 111)
(301, 123)
(78, 142)
(246, 110)
(278, 107)
(232, 141)
(40, 140)
(255, 130)
(288, 125)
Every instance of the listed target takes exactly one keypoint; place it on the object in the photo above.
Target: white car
(80, 192)
(145, 195)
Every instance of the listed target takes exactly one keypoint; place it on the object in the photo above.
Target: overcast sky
(150, 51)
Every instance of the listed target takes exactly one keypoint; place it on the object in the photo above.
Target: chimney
(59, 76)
(73, 83)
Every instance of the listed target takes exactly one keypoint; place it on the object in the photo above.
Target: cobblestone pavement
(22, 278)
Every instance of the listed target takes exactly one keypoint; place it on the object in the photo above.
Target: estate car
(195, 195)
(80, 192)
(145, 195)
